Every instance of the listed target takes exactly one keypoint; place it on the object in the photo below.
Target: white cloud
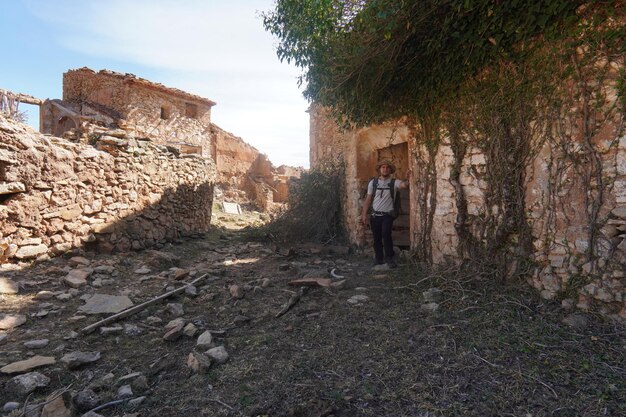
(216, 49)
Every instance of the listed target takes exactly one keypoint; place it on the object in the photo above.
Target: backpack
(396, 201)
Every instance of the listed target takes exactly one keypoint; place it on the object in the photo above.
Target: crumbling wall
(246, 175)
(122, 194)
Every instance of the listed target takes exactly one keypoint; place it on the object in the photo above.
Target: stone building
(577, 258)
(142, 108)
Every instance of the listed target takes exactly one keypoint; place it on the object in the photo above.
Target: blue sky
(212, 48)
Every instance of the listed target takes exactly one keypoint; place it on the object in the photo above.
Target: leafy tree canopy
(372, 60)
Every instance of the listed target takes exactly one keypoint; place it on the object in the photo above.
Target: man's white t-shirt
(382, 197)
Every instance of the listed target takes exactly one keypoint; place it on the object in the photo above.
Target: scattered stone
(143, 270)
(204, 340)
(86, 400)
(104, 269)
(265, 282)
(77, 278)
(339, 285)
(3, 337)
(153, 320)
(55, 407)
(125, 391)
(10, 406)
(432, 295)
(236, 291)
(64, 296)
(27, 365)
(44, 295)
(190, 330)
(174, 329)
(198, 362)
(358, 299)
(284, 267)
(179, 274)
(106, 304)
(71, 335)
(576, 321)
(77, 359)
(191, 291)
(78, 261)
(22, 385)
(218, 354)
(10, 321)
(175, 309)
(381, 267)
(8, 286)
(430, 307)
(36, 344)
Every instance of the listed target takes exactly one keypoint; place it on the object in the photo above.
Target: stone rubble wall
(558, 222)
(122, 194)
(245, 175)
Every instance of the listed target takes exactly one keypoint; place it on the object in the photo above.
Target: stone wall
(557, 207)
(122, 194)
(145, 109)
(245, 175)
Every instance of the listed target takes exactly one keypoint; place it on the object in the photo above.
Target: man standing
(381, 219)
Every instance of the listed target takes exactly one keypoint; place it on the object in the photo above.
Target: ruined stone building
(121, 163)
(574, 198)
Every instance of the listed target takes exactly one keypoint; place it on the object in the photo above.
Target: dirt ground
(479, 348)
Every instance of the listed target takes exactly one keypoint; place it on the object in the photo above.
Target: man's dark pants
(381, 229)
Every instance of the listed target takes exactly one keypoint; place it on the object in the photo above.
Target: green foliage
(381, 59)
(314, 210)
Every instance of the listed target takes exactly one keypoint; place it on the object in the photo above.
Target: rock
(619, 212)
(22, 385)
(44, 295)
(358, 299)
(432, 295)
(106, 304)
(190, 330)
(78, 261)
(175, 309)
(576, 321)
(36, 344)
(10, 406)
(77, 359)
(33, 410)
(204, 340)
(429, 307)
(143, 270)
(381, 267)
(567, 304)
(198, 362)
(180, 274)
(236, 291)
(3, 337)
(27, 365)
(86, 400)
(10, 321)
(31, 251)
(55, 407)
(132, 329)
(8, 286)
(125, 391)
(174, 329)
(218, 354)
(77, 278)
(191, 291)
(339, 285)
